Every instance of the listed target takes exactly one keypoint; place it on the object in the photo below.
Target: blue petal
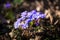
(24, 13)
(33, 11)
(27, 21)
(24, 26)
(16, 25)
(43, 16)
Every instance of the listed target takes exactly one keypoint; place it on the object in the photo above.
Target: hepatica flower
(23, 25)
(7, 5)
(24, 13)
(27, 21)
(19, 19)
(32, 15)
(42, 15)
(29, 14)
(23, 18)
(33, 11)
(16, 25)
(37, 15)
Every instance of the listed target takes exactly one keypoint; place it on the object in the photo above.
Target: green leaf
(10, 15)
(18, 1)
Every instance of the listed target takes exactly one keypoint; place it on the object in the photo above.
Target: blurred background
(48, 28)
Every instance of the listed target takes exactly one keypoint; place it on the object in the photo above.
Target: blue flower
(29, 14)
(16, 25)
(25, 26)
(33, 11)
(42, 15)
(23, 18)
(24, 13)
(27, 21)
(32, 14)
(37, 15)
(7, 5)
(33, 17)
(19, 19)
